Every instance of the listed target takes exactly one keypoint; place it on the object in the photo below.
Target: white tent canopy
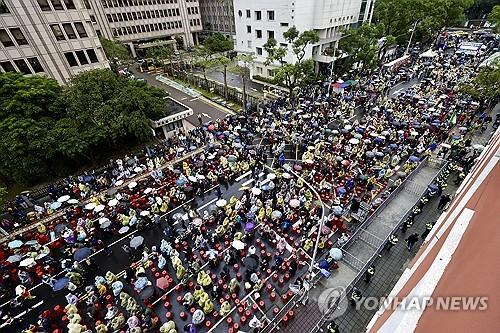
(428, 54)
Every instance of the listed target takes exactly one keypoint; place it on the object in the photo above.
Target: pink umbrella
(294, 203)
(162, 283)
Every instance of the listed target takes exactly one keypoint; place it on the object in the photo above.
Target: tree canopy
(218, 43)
(362, 46)
(486, 85)
(116, 52)
(398, 16)
(46, 128)
(494, 18)
(300, 72)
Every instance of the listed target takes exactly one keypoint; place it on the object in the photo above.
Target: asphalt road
(233, 80)
(198, 105)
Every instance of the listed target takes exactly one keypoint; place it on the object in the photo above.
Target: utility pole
(411, 36)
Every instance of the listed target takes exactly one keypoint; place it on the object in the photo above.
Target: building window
(56, 30)
(259, 70)
(249, 29)
(270, 34)
(249, 44)
(285, 45)
(3, 8)
(98, 32)
(270, 15)
(44, 5)
(259, 50)
(70, 57)
(35, 64)
(7, 66)
(81, 57)
(258, 33)
(284, 24)
(23, 67)
(258, 15)
(5, 38)
(57, 4)
(69, 30)
(86, 3)
(248, 13)
(270, 72)
(80, 29)
(18, 36)
(70, 5)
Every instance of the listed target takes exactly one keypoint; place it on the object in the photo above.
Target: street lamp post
(411, 36)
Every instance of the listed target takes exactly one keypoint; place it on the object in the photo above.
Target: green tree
(218, 43)
(244, 64)
(363, 47)
(494, 18)
(3, 197)
(203, 60)
(221, 62)
(398, 16)
(300, 72)
(161, 54)
(116, 52)
(485, 87)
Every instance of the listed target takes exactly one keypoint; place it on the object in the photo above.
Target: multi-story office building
(258, 20)
(55, 38)
(145, 23)
(218, 16)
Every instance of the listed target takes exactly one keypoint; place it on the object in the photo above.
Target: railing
(370, 238)
(351, 260)
(433, 162)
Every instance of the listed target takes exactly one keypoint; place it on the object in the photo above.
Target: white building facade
(144, 23)
(54, 38)
(258, 20)
(218, 16)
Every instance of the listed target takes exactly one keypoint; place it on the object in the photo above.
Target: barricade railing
(379, 249)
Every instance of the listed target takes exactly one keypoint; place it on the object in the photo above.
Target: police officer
(355, 296)
(408, 223)
(428, 228)
(370, 272)
(393, 240)
(332, 327)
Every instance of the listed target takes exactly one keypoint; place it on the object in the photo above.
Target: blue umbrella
(82, 253)
(341, 191)
(265, 187)
(55, 204)
(60, 284)
(414, 158)
(180, 182)
(249, 227)
(87, 178)
(15, 244)
(393, 146)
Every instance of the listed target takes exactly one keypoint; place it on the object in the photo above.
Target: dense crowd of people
(350, 146)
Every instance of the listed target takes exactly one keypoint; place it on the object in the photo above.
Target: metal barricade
(352, 260)
(370, 238)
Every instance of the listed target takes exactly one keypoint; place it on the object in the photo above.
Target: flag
(453, 118)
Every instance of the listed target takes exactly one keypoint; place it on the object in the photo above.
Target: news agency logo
(333, 302)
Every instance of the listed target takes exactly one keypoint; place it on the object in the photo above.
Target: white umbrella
(221, 203)
(103, 220)
(99, 208)
(192, 179)
(105, 224)
(354, 141)
(144, 213)
(137, 169)
(90, 206)
(136, 241)
(276, 214)
(123, 230)
(256, 191)
(55, 204)
(286, 175)
(132, 184)
(309, 161)
(336, 253)
(148, 190)
(14, 258)
(238, 245)
(112, 202)
(119, 183)
(271, 176)
(294, 203)
(72, 201)
(200, 177)
(348, 127)
(478, 147)
(64, 198)
(27, 262)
